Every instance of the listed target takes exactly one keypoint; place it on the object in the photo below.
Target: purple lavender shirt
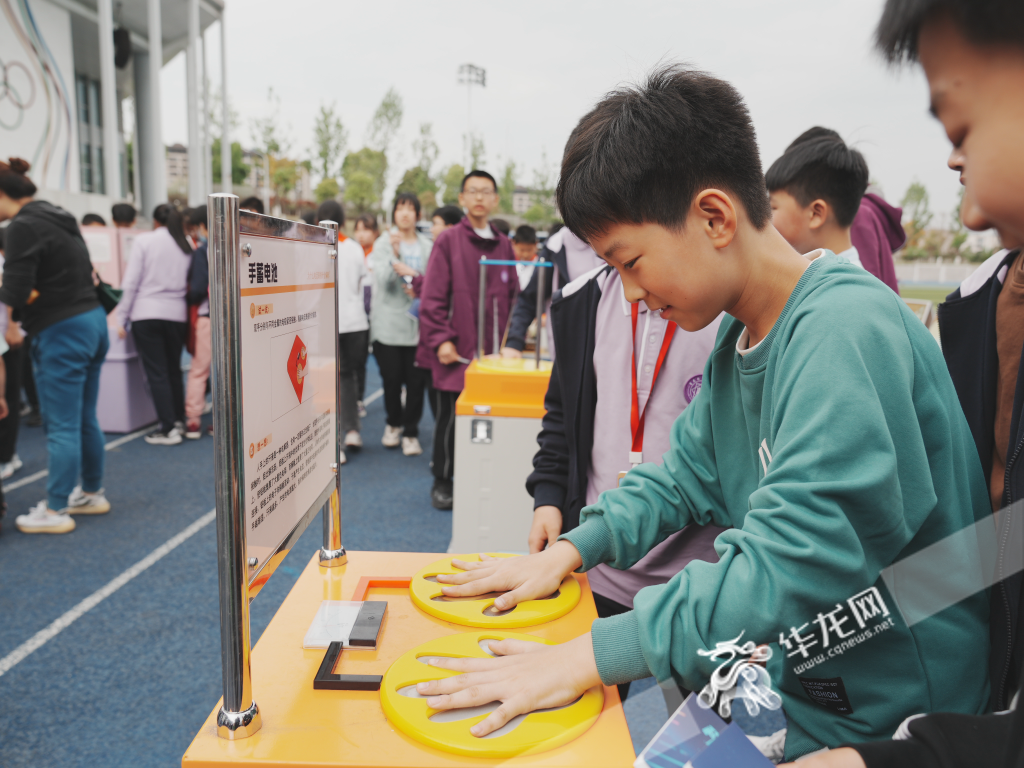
(678, 383)
(156, 280)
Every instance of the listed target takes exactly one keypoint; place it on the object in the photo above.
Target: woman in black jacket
(47, 273)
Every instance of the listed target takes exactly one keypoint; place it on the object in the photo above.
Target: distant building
(177, 169)
(524, 198)
(68, 70)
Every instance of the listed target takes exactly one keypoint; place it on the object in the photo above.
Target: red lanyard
(636, 418)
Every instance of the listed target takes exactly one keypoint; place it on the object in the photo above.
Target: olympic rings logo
(11, 92)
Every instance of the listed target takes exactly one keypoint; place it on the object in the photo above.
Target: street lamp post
(470, 75)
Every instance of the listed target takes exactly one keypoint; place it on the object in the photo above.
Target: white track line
(375, 396)
(43, 636)
(108, 447)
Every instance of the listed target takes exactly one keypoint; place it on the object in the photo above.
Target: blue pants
(66, 361)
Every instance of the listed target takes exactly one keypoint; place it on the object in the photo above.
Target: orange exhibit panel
(392, 727)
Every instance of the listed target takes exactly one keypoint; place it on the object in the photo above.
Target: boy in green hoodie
(827, 434)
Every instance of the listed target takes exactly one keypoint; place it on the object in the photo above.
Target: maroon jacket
(876, 233)
(450, 298)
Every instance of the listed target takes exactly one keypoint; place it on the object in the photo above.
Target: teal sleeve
(617, 649)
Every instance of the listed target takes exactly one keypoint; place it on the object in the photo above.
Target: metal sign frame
(239, 579)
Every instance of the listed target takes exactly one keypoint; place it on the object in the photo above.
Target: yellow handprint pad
(527, 734)
(479, 611)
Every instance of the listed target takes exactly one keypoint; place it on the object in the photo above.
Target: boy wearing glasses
(448, 314)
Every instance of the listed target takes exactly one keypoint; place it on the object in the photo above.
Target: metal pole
(540, 309)
(225, 119)
(239, 717)
(332, 553)
(481, 314)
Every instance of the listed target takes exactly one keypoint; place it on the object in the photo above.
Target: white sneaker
(41, 520)
(392, 437)
(342, 458)
(353, 439)
(361, 409)
(411, 446)
(9, 468)
(208, 407)
(164, 438)
(82, 503)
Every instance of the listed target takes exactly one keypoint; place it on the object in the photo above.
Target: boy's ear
(716, 213)
(818, 213)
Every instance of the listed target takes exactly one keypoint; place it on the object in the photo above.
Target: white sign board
(288, 385)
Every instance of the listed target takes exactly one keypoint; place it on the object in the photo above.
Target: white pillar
(108, 101)
(225, 131)
(196, 175)
(155, 179)
(207, 133)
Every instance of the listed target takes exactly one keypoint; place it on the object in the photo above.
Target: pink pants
(195, 392)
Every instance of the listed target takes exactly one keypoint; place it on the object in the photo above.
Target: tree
(359, 190)
(474, 149)
(216, 114)
(426, 149)
(283, 175)
(507, 187)
(329, 140)
(417, 181)
(915, 212)
(239, 168)
(453, 183)
(372, 163)
(542, 194)
(267, 133)
(538, 214)
(327, 189)
(385, 122)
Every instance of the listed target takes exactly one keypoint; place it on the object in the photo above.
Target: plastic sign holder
(276, 426)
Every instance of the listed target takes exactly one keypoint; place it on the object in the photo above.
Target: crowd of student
(775, 426)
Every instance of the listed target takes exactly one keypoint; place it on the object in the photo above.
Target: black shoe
(34, 419)
(441, 494)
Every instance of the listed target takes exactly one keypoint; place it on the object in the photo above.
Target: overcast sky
(798, 63)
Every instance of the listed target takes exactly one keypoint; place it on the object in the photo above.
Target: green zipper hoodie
(834, 448)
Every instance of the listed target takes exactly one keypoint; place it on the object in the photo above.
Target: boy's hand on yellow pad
(525, 677)
(522, 578)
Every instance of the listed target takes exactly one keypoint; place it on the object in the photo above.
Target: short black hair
(644, 152)
(819, 165)
(331, 210)
(252, 204)
(525, 234)
(477, 173)
(983, 22)
(93, 218)
(450, 214)
(502, 226)
(309, 217)
(369, 221)
(196, 216)
(406, 197)
(125, 213)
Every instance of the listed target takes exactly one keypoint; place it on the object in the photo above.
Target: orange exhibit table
(307, 727)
